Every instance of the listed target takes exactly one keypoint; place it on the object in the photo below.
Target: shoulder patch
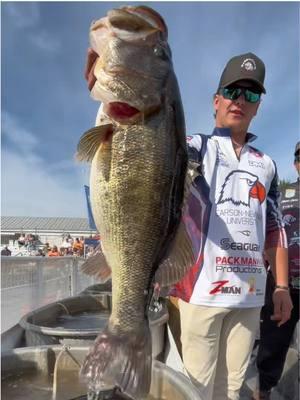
(257, 153)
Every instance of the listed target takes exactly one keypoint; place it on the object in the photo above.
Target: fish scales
(135, 211)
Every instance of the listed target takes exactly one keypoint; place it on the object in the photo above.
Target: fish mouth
(137, 19)
(120, 111)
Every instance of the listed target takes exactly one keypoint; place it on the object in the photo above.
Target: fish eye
(160, 52)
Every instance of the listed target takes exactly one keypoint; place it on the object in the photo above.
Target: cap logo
(249, 64)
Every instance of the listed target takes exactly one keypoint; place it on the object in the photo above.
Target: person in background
(5, 251)
(40, 253)
(69, 239)
(46, 248)
(66, 244)
(274, 341)
(63, 251)
(21, 240)
(78, 247)
(53, 252)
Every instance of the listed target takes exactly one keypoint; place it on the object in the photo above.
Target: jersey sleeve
(275, 232)
(194, 145)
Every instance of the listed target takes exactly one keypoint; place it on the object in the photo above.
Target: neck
(238, 139)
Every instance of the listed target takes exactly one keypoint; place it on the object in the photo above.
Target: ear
(216, 102)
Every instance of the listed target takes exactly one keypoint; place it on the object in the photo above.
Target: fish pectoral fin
(181, 257)
(122, 360)
(96, 265)
(91, 140)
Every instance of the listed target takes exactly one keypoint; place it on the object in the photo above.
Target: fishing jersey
(232, 214)
(290, 213)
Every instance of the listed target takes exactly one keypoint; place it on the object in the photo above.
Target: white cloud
(45, 41)
(24, 14)
(32, 187)
(27, 190)
(16, 134)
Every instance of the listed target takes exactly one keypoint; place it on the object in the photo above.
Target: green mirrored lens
(234, 94)
(251, 97)
(231, 93)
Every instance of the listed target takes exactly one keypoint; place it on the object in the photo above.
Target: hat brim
(242, 78)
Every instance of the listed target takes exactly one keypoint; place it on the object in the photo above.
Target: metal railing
(31, 282)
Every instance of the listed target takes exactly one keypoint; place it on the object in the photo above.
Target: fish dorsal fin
(96, 265)
(91, 140)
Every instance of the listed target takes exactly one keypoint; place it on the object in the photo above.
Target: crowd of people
(69, 246)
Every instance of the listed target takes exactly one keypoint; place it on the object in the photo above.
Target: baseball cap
(244, 67)
(297, 149)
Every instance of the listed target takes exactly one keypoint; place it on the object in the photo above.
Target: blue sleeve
(275, 232)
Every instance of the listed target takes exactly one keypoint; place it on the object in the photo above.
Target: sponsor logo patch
(256, 153)
(227, 244)
(247, 261)
(249, 64)
(252, 285)
(288, 219)
(240, 187)
(256, 164)
(245, 233)
(289, 193)
(220, 287)
(237, 269)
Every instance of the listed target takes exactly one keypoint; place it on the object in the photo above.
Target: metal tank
(51, 372)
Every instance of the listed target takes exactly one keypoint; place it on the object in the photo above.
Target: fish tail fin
(121, 360)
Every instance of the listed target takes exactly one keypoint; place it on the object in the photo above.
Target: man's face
(235, 114)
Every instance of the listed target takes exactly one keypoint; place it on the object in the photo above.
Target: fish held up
(139, 163)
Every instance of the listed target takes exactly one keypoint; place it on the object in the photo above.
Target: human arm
(277, 255)
(278, 260)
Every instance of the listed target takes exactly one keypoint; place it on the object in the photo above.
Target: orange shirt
(77, 246)
(53, 253)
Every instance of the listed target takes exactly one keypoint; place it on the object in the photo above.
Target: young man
(275, 341)
(221, 297)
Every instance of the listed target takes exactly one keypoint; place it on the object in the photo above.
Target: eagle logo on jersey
(288, 219)
(240, 187)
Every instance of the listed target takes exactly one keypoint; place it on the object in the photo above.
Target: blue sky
(46, 105)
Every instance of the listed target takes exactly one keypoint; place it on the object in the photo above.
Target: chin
(237, 124)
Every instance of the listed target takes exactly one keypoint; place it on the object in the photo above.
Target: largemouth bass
(139, 164)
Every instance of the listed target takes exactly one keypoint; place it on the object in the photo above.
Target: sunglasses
(297, 158)
(233, 93)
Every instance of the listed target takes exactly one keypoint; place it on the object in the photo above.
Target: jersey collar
(225, 132)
